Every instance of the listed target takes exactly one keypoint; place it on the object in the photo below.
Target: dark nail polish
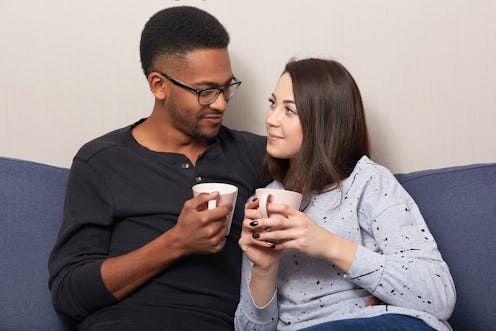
(254, 199)
(254, 223)
(256, 235)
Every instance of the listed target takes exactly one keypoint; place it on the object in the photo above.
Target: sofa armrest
(459, 206)
(31, 200)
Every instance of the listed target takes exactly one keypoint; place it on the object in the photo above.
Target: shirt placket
(193, 171)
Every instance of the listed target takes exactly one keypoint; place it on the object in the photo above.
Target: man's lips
(216, 118)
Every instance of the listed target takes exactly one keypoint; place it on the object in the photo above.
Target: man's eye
(208, 93)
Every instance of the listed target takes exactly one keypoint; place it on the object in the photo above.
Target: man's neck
(157, 137)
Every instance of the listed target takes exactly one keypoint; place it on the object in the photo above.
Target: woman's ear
(158, 85)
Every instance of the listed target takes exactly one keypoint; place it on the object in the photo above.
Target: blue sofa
(459, 205)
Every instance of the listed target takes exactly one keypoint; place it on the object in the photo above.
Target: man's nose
(220, 103)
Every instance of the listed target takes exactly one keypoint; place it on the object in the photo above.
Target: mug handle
(212, 204)
(264, 198)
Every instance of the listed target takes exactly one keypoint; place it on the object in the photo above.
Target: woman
(359, 255)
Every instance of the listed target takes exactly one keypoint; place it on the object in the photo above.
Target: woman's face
(284, 131)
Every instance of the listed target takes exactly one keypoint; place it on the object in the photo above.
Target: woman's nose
(271, 118)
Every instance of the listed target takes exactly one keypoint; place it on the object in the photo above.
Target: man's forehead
(212, 65)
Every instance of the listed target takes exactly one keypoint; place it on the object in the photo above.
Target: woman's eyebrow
(285, 100)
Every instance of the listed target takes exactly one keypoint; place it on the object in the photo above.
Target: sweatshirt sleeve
(82, 245)
(402, 265)
(248, 315)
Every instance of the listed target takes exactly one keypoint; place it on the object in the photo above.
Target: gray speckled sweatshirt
(397, 261)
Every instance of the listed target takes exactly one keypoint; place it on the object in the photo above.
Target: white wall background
(70, 71)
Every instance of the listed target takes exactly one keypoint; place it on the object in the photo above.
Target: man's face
(210, 68)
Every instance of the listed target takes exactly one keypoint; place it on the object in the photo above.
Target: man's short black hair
(179, 30)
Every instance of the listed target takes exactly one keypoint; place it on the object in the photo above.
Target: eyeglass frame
(220, 90)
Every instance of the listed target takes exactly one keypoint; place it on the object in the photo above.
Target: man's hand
(198, 231)
(201, 231)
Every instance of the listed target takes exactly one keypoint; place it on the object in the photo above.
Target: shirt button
(185, 165)
(198, 179)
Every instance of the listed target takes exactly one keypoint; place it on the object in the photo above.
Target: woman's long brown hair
(335, 136)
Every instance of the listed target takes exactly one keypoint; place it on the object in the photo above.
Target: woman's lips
(273, 137)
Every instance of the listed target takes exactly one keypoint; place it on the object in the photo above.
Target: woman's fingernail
(271, 244)
(254, 199)
(256, 235)
(254, 223)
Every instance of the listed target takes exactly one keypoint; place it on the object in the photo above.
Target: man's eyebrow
(213, 84)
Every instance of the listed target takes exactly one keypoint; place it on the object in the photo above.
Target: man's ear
(158, 85)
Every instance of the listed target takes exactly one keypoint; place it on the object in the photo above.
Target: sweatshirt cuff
(261, 315)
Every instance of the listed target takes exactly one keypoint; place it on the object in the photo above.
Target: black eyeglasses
(208, 95)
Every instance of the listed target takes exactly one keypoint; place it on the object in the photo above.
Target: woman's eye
(290, 111)
(272, 102)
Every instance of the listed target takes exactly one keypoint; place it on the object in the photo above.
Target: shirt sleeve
(403, 267)
(82, 245)
(248, 315)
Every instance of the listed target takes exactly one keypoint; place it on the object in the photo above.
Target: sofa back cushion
(31, 203)
(459, 206)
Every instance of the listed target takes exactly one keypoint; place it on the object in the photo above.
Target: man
(135, 250)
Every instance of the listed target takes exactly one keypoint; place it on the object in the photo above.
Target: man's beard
(201, 134)
(180, 117)
(197, 133)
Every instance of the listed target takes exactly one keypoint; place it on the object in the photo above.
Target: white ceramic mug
(227, 194)
(267, 195)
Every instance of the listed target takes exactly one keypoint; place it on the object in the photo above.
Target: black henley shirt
(120, 196)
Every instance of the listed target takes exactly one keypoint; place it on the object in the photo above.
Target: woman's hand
(260, 253)
(263, 256)
(298, 231)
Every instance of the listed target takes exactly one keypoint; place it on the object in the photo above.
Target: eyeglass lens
(209, 96)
